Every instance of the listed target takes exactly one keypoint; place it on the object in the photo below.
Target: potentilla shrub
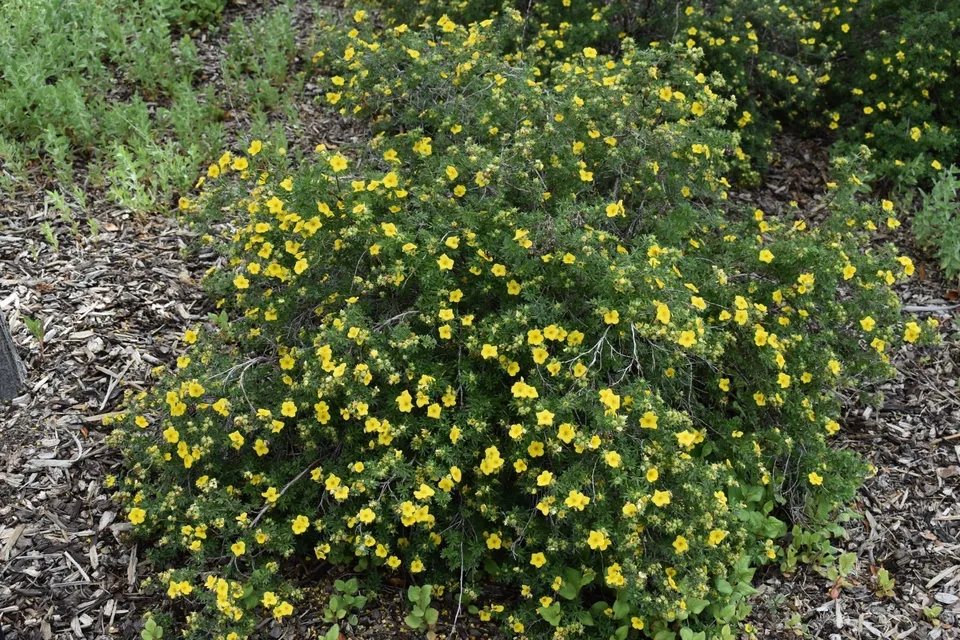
(510, 346)
(880, 73)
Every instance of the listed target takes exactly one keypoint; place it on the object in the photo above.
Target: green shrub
(936, 222)
(115, 85)
(514, 340)
(880, 73)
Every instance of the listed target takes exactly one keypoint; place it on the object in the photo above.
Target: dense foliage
(520, 337)
(117, 90)
(880, 73)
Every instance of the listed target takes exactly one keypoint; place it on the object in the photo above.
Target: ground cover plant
(114, 94)
(518, 343)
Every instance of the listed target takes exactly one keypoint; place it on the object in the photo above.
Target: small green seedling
(884, 584)
(221, 320)
(35, 325)
(345, 599)
(151, 630)
(423, 616)
(839, 572)
(50, 236)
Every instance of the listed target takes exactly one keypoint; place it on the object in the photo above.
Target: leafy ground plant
(936, 222)
(520, 337)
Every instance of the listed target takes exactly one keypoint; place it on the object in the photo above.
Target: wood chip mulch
(112, 307)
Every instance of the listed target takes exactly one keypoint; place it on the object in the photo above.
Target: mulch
(114, 306)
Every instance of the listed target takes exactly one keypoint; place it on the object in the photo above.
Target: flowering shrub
(512, 340)
(879, 73)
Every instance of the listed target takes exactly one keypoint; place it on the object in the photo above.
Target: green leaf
(695, 605)
(431, 616)
(568, 590)
(332, 633)
(621, 633)
(846, 562)
(551, 614)
(414, 623)
(620, 609)
(724, 587)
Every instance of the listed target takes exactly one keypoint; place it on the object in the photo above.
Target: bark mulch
(112, 307)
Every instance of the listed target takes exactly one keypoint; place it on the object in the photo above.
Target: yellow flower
(300, 524)
(269, 599)
(911, 332)
(576, 500)
(611, 317)
(282, 610)
(366, 516)
(687, 438)
(815, 478)
(868, 323)
(493, 541)
(716, 537)
(661, 498)
(649, 420)
(687, 339)
(405, 401)
(612, 458)
(538, 560)
(261, 447)
(589, 52)
(545, 418)
(488, 351)
(566, 432)
(445, 262)
(137, 515)
(597, 540)
(614, 577)
(680, 544)
(236, 439)
(544, 479)
(254, 147)
(239, 548)
(652, 474)
(766, 256)
(338, 163)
